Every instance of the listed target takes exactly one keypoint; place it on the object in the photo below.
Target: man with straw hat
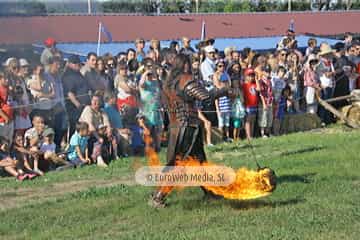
(326, 72)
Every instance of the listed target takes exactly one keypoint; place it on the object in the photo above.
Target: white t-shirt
(278, 85)
(48, 147)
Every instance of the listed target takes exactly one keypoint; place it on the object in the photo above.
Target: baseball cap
(74, 59)
(23, 62)
(209, 49)
(249, 71)
(101, 126)
(339, 46)
(49, 42)
(48, 132)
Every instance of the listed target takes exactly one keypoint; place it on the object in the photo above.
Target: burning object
(247, 184)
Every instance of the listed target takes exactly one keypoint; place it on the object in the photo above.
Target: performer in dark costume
(186, 136)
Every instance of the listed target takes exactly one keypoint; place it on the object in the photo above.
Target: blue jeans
(324, 114)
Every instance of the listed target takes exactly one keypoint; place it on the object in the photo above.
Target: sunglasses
(221, 66)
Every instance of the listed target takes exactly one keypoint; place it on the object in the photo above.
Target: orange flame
(249, 184)
(152, 156)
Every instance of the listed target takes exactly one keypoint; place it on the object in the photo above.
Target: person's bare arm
(80, 155)
(4, 116)
(143, 79)
(263, 101)
(257, 85)
(35, 85)
(216, 80)
(26, 163)
(74, 100)
(22, 150)
(124, 86)
(106, 120)
(87, 155)
(217, 106)
(8, 162)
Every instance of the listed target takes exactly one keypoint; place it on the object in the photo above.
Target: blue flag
(292, 25)
(106, 32)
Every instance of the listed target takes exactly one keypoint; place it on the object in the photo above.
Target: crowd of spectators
(62, 113)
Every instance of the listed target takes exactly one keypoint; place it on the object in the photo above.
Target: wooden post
(338, 114)
(347, 97)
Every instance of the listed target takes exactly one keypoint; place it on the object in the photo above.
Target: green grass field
(317, 197)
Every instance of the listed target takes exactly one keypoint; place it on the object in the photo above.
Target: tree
(348, 4)
(22, 8)
(228, 6)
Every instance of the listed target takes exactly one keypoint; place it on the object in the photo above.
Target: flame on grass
(249, 184)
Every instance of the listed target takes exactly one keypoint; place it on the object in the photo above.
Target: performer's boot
(157, 200)
(210, 195)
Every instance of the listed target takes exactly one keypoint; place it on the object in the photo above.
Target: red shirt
(266, 91)
(4, 92)
(4, 106)
(250, 94)
(129, 101)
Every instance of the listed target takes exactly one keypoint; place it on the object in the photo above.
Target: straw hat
(229, 50)
(325, 49)
(9, 61)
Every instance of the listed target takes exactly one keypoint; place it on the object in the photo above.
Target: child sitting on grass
(103, 150)
(33, 141)
(122, 134)
(21, 155)
(8, 163)
(48, 150)
(78, 154)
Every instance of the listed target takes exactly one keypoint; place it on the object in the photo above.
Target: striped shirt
(224, 104)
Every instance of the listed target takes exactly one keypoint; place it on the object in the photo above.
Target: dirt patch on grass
(24, 196)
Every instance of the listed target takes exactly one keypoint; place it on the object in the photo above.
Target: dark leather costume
(186, 133)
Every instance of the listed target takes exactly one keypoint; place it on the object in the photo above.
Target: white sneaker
(210, 145)
(100, 162)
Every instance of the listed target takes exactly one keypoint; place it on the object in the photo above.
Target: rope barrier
(60, 100)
